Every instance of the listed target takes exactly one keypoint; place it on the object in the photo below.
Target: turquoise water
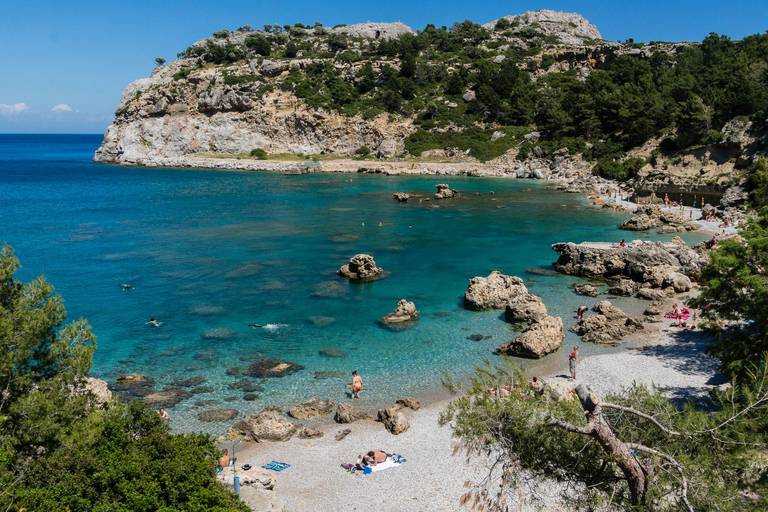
(206, 250)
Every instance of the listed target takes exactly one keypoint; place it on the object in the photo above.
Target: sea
(206, 253)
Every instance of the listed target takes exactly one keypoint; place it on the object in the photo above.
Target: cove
(208, 252)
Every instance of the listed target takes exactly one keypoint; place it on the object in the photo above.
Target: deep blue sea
(219, 250)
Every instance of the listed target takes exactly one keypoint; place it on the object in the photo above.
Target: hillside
(522, 91)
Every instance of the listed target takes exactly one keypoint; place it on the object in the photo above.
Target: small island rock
(494, 291)
(361, 267)
(542, 337)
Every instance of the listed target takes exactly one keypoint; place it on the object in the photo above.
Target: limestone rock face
(99, 388)
(678, 282)
(361, 267)
(394, 421)
(653, 216)
(525, 308)
(569, 28)
(609, 311)
(404, 313)
(375, 30)
(312, 408)
(271, 367)
(542, 337)
(262, 426)
(623, 288)
(217, 415)
(494, 291)
(348, 413)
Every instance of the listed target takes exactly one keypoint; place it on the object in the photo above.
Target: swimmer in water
(154, 322)
(127, 287)
(253, 326)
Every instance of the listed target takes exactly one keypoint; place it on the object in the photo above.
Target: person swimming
(154, 322)
(253, 326)
(126, 287)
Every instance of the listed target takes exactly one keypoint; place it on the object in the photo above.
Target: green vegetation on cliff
(63, 450)
(461, 84)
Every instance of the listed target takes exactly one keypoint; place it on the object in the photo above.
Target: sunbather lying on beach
(374, 457)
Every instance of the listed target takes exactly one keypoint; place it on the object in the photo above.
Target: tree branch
(642, 415)
(570, 428)
(678, 466)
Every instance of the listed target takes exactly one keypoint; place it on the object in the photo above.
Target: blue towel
(276, 466)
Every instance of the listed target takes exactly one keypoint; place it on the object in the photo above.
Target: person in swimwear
(580, 312)
(253, 326)
(154, 322)
(622, 244)
(357, 385)
(375, 457)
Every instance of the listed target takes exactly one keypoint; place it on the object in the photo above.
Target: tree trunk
(612, 445)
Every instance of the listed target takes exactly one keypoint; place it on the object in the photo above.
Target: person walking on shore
(357, 385)
(572, 362)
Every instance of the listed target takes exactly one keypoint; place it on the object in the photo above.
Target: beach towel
(276, 466)
(381, 466)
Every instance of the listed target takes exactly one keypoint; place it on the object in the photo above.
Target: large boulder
(348, 413)
(444, 191)
(267, 425)
(401, 197)
(678, 282)
(494, 291)
(312, 408)
(394, 421)
(271, 367)
(404, 315)
(608, 310)
(408, 402)
(608, 326)
(623, 288)
(543, 336)
(525, 308)
(586, 289)
(97, 388)
(361, 267)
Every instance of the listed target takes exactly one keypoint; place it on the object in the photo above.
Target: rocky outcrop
(650, 265)
(608, 326)
(404, 316)
(348, 413)
(394, 421)
(653, 216)
(408, 402)
(566, 27)
(624, 288)
(375, 30)
(271, 367)
(492, 292)
(361, 267)
(312, 408)
(444, 191)
(543, 336)
(525, 308)
(401, 197)
(97, 388)
(266, 425)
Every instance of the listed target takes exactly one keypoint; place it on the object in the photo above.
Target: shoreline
(433, 477)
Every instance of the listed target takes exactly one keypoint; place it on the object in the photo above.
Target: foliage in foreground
(691, 459)
(735, 298)
(59, 450)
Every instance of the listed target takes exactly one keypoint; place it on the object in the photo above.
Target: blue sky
(64, 64)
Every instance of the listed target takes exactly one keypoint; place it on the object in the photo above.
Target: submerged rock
(494, 291)
(187, 383)
(586, 289)
(543, 336)
(333, 352)
(166, 398)
(361, 267)
(401, 197)
(219, 333)
(217, 415)
(329, 290)
(320, 321)
(271, 367)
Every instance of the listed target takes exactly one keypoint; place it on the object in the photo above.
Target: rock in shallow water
(543, 336)
(219, 333)
(271, 367)
(312, 408)
(333, 352)
(403, 317)
(361, 267)
(494, 291)
(266, 425)
(348, 413)
(166, 398)
(217, 415)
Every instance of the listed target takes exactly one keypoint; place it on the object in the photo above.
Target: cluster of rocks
(403, 317)
(361, 267)
(444, 191)
(653, 216)
(651, 270)
(544, 333)
(586, 289)
(401, 197)
(608, 326)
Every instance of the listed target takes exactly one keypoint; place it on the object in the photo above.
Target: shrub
(259, 154)
(221, 34)
(258, 43)
(363, 151)
(611, 169)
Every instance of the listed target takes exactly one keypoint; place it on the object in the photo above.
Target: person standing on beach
(357, 385)
(572, 362)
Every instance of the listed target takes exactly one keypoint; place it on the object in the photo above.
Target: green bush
(258, 43)
(182, 74)
(259, 154)
(611, 169)
(363, 151)
(221, 34)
